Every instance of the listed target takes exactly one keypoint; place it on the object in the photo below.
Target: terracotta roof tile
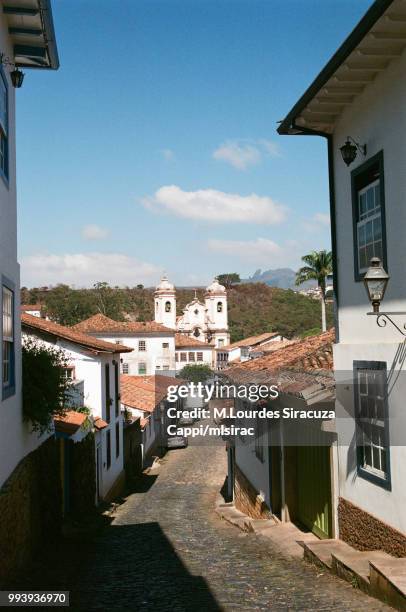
(145, 392)
(70, 422)
(181, 341)
(35, 324)
(25, 307)
(250, 341)
(99, 323)
(99, 423)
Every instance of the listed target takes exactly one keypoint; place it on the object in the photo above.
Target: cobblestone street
(167, 550)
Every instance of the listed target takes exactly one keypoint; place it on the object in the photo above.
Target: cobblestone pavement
(167, 550)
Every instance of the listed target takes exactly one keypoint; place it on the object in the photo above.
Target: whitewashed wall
(378, 119)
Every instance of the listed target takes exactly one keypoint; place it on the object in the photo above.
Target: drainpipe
(331, 180)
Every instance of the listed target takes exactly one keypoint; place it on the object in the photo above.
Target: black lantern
(349, 150)
(376, 280)
(17, 77)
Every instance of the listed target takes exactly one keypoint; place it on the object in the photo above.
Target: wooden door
(314, 503)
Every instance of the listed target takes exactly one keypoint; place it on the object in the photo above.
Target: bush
(44, 384)
(196, 373)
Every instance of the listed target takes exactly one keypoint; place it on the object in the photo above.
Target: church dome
(165, 285)
(215, 287)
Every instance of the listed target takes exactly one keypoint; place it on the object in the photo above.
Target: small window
(168, 307)
(118, 341)
(142, 345)
(368, 201)
(165, 367)
(176, 357)
(108, 449)
(183, 356)
(199, 356)
(372, 423)
(142, 368)
(196, 332)
(68, 373)
(220, 342)
(219, 307)
(165, 345)
(191, 356)
(117, 439)
(125, 368)
(8, 342)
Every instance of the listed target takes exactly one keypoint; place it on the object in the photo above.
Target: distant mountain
(284, 278)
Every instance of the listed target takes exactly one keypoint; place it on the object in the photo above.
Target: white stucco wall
(155, 356)
(377, 118)
(208, 356)
(16, 441)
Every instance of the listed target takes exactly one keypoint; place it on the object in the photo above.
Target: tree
(196, 373)
(318, 266)
(229, 279)
(45, 386)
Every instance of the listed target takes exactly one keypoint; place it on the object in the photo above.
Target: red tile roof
(182, 341)
(35, 324)
(313, 353)
(99, 423)
(251, 341)
(70, 422)
(99, 323)
(25, 307)
(145, 392)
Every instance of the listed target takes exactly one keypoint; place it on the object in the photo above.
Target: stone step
(388, 581)
(354, 565)
(320, 552)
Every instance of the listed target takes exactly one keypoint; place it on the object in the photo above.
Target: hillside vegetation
(253, 308)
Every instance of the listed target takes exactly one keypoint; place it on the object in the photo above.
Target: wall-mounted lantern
(376, 280)
(349, 150)
(16, 75)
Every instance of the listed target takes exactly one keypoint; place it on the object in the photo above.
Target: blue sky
(154, 146)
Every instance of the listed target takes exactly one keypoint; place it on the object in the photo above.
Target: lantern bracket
(382, 319)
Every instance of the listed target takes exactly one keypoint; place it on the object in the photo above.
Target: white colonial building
(94, 369)
(153, 344)
(207, 322)
(21, 45)
(358, 103)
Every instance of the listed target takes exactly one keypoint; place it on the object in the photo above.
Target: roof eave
(288, 125)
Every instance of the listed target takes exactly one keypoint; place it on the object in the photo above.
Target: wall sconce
(376, 280)
(349, 150)
(16, 75)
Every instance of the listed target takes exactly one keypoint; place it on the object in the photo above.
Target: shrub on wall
(44, 383)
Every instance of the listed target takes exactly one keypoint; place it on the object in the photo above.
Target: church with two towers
(206, 322)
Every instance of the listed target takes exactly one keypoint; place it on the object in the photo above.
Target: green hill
(253, 308)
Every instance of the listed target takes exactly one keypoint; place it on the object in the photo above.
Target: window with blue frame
(3, 126)
(8, 341)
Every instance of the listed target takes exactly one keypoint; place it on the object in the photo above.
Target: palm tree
(318, 266)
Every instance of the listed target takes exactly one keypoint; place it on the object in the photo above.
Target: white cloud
(216, 206)
(318, 222)
(322, 219)
(84, 269)
(259, 252)
(168, 154)
(94, 232)
(244, 153)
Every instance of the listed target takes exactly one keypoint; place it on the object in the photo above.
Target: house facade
(23, 50)
(144, 398)
(283, 467)
(191, 351)
(246, 348)
(358, 103)
(94, 369)
(153, 344)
